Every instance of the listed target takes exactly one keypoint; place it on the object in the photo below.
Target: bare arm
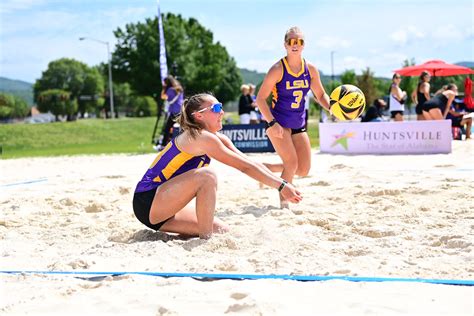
(212, 145)
(271, 79)
(425, 89)
(450, 96)
(398, 93)
(317, 87)
(228, 143)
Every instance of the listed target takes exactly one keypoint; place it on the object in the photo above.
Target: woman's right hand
(276, 131)
(290, 193)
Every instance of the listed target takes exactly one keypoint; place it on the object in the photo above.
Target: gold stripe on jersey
(160, 154)
(274, 96)
(288, 69)
(175, 163)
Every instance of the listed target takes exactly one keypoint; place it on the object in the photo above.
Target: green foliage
(12, 106)
(366, 83)
(56, 101)
(331, 85)
(144, 106)
(92, 136)
(6, 105)
(74, 77)
(349, 77)
(200, 64)
(123, 98)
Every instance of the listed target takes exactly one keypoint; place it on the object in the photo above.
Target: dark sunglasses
(295, 41)
(216, 108)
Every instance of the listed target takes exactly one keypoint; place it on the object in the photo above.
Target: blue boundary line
(24, 182)
(220, 276)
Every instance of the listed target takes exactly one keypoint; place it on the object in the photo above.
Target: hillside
(17, 87)
(251, 76)
(468, 64)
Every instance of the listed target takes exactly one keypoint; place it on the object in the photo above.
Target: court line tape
(221, 276)
(25, 182)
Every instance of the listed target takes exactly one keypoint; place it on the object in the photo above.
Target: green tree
(144, 106)
(366, 83)
(6, 105)
(20, 108)
(349, 77)
(199, 63)
(72, 76)
(12, 106)
(57, 101)
(122, 98)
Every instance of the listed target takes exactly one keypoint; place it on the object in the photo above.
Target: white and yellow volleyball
(347, 102)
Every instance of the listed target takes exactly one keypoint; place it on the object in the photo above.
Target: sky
(356, 33)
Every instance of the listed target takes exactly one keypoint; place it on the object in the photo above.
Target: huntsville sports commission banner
(409, 137)
(249, 138)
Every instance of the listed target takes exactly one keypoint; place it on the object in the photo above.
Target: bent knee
(302, 172)
(207, 176)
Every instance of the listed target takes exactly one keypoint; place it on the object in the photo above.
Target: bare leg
(398, 117)
(286, 150)
(427, 116)
(468, 123)
(303, 152)
(436, 114)
(420, 117)
(172, 197)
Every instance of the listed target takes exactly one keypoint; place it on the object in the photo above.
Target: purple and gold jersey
(169, 163)
(289, 96)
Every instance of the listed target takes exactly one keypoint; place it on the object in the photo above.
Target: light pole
(111, 89)
(332, 65)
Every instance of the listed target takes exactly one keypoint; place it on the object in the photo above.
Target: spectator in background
(374, 112)
(173, 94)
(456, 115)
(421, 94)
(441, 90)
(397, 99)
(437, 107)
(245, 106)
(254, 113)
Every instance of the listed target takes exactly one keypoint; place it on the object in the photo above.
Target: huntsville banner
(250, 138)
(408, 137)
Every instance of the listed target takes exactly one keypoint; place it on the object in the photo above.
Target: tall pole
(109, 60)
(332, 65)
(111, 88)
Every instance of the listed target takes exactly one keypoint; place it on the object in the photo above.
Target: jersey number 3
(298, 94)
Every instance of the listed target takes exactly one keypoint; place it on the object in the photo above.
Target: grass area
(94, 136)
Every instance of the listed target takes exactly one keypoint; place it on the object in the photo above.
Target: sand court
(373, 216)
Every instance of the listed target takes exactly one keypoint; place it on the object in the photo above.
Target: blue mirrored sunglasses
(216, 108)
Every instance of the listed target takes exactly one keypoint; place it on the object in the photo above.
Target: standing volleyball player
(180, 174)
(289, 80)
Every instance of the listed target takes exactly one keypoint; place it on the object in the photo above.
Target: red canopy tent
(436, 68)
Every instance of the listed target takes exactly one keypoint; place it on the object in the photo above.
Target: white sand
(404, 216)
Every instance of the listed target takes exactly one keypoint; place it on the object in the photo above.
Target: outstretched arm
(228, 143)
(212, 145)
